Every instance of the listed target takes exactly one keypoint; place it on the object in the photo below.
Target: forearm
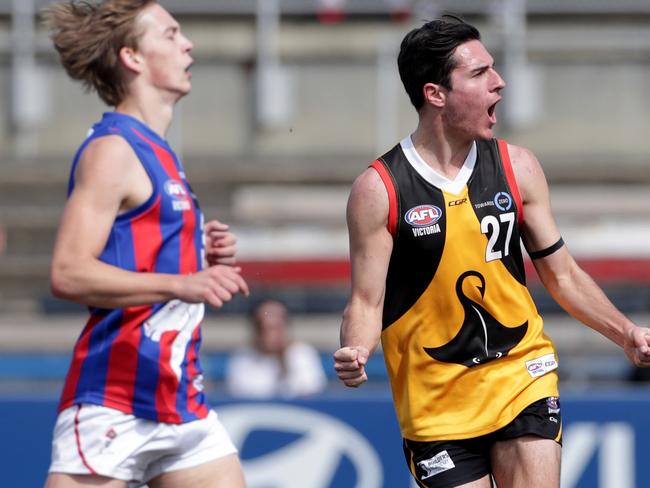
(98, 284)
(571, 287)
(361, 326)
(581, 297)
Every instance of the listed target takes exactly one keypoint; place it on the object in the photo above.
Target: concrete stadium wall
(586, 84)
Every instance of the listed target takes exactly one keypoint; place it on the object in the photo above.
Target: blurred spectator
(274, 364)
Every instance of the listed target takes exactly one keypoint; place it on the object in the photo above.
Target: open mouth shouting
(492, 112)
(188, 67)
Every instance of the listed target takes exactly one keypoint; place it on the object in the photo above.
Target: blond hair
(89, 35)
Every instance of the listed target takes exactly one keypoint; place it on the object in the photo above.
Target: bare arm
(370, 248)
(109, 179)
(567, 283)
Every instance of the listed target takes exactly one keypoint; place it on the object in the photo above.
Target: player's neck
(445, 154)
(156, 114)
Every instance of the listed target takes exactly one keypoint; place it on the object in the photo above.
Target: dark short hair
(426, 54)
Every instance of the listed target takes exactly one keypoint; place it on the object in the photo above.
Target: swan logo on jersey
(424, 219)
(503, 201)
(178, 193)
(481, 337)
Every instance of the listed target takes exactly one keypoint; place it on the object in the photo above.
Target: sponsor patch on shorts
(437, 464)
(541, 366)
(553, 404)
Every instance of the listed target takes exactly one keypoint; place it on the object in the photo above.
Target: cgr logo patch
(455, 203)
(423, 215)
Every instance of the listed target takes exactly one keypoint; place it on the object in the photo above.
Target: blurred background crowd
(291, 100)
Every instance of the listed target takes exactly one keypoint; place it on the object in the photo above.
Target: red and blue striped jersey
(144, 360)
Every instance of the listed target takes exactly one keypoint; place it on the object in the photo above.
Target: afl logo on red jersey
(175, 189)
(423, 215)
(180, 199)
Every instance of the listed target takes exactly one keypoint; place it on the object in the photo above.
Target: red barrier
(336, 271)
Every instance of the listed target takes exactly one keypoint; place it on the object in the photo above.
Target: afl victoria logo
(318, 445)
(175, 189)
(423, 215)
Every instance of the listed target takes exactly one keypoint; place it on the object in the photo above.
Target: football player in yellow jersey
(435, 228)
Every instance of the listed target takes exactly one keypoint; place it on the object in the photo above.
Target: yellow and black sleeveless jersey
(462, 338)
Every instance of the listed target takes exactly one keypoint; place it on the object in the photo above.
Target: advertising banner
(352, 440)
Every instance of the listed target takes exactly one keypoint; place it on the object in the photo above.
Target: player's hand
(215, 285)
(349, 363)
(220, 244)
(637, 346)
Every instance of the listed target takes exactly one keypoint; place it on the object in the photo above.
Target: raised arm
(370, 248)
(567, 283)
(109, 179)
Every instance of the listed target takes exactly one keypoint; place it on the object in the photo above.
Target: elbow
(557, 285)
(553, 282)
(62, 283)
(561, 285)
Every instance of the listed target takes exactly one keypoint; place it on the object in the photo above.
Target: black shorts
(445, 464)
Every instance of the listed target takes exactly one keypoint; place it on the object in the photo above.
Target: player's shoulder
(526, 167)
(368, 180)
(111, 151)
(106, 157)
(106, 146)
(368, 189)
(368, 204)
(521, 155)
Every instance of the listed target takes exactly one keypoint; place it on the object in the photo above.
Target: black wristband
(548, 251)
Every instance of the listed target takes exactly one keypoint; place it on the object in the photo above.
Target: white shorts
(91, 439)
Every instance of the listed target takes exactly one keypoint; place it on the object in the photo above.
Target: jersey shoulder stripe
(510, 177)
(391, 189)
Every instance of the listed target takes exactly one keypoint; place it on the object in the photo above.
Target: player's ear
(434, 94)
(131, 59)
